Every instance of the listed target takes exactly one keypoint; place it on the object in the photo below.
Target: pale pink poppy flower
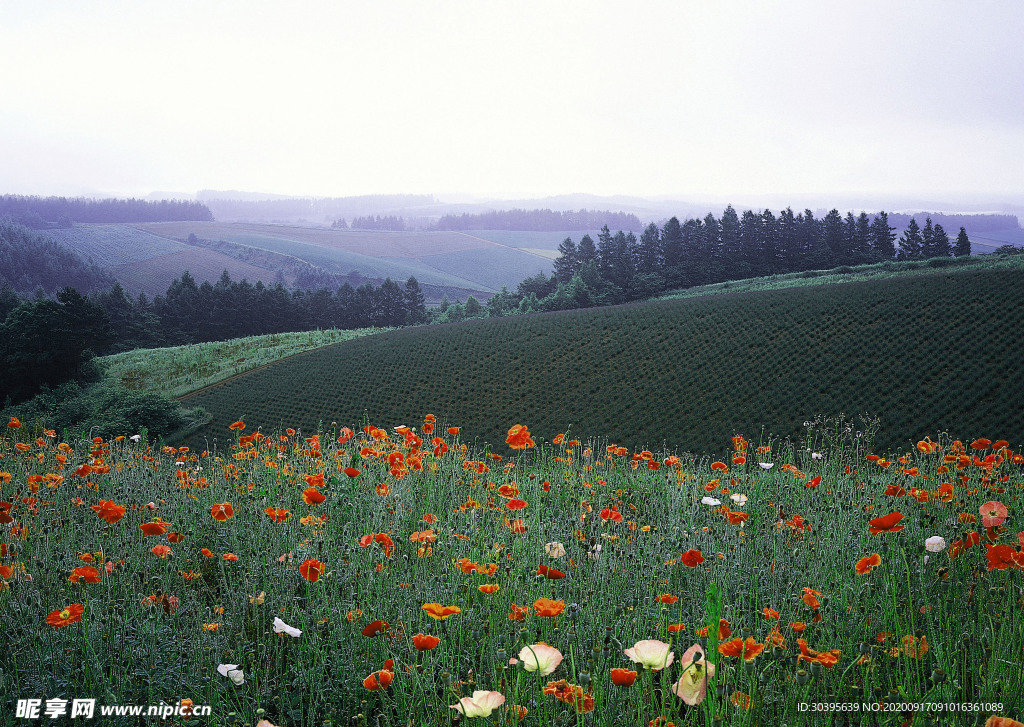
(692, 686)
(540, 658)
(992, 514)
(481, 704)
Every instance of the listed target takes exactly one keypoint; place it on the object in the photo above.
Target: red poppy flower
(222, 511)
(175, 537)
(886, 524)
(814, 483)
(895, 491)
(666, 598)
(675, 628)
(692, 558)
(313, 496)
(207, 552)
(422, 642)
(375, 627)
(429, 518)
(868, 563)
(162, 551)
(1003, 556)
(66, 616)
(109, 510)
(623, 677)
(278, 514)
(90, 574)
(611, 513)
(312, 569)
(516, 526)
(719, 467)
(237, 425)
(518, 613)
(798, 626)
(516, 504)
(149, 529)
(825, 658)
(488, 588)
(508, 490)
(549, 573)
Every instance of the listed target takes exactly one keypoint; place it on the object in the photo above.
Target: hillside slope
(938, 351)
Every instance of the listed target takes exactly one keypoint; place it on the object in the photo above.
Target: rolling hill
(922, 353)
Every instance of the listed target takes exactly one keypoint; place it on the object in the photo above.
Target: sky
(496, 98)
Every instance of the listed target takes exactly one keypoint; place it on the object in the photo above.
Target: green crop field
(921, 353)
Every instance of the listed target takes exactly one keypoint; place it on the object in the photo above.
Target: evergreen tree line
(43, 212)
(47, 342)
(623, 267)
(540, 220)
(374, 222)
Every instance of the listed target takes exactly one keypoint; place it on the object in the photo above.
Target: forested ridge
(43, 212)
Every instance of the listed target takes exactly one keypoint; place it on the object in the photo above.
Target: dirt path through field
(501, 244)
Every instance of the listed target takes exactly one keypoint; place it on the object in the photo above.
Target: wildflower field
(404, 577)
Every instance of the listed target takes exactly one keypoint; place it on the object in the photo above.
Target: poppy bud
(584, 678)
(817, 669)
(721, 690)
(802, 677)
(938, 676)
(864, 647)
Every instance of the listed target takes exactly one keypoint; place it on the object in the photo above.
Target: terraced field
(924, 353)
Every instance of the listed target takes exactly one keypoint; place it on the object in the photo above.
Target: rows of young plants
(371, 576)
(179, 370)
(929, 352)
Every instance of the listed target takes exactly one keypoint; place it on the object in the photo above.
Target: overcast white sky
(682, 98)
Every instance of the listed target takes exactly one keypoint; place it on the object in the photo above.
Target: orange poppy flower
(519, 438)
(915, 648)
(719, 467)
(222, 511)
(374, 628)
(381, 680)
(886, 524)
(736, 518)
(311, 569)
(207, 552)
(675, 628)
(981, 443)
(571, 694)
(66, 616)
(798, 626)
(549, 573)
(748, 650)
(237, 425)
(825, 658)
(724, 631)
(90, 574)
(438, 612)
(313, 496)
(423, 642)
(423, 536)
(109, 510)
(516, 526)
(623, 677)
(149, 529)
(488, 588)
(548, 608)
(770, 613)
(868, 563)
(518, 613)
(666, 598)
(810, 598)
(162, 551)
(508, 491)
(278, 514)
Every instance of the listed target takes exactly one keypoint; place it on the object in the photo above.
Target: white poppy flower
(280, 627)
(232, 672)
(739, 499)
(935, 544)
(710, 501)
(766, 465)
(555, 550)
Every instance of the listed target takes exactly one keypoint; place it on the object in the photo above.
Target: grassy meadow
(548, 569)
